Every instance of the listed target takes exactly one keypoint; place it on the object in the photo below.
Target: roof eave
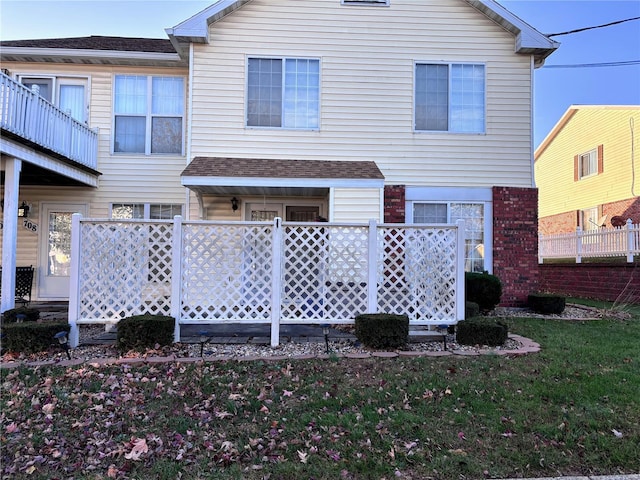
(72, 55)
(529, 41)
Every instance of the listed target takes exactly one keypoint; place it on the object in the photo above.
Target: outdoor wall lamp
(23, 210)
(234, 204)
(63, 340)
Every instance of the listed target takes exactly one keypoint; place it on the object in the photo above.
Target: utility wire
(591, 28)
(592, 65)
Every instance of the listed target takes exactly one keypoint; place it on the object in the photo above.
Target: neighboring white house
(400, 110)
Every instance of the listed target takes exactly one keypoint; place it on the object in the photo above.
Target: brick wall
(561, 223)
(600, 281)
(515, 242)
(394, 199)
(568, 221)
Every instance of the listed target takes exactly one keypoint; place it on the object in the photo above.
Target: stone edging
(528, 346)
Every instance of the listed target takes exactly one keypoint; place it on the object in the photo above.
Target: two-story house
(416, 111)
(587, 169)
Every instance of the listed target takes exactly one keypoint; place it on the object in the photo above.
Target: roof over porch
(244, 176)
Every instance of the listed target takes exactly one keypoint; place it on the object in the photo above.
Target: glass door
(55, 250)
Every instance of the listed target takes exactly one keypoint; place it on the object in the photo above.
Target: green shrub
(31, 337)
(483, 289)
(141, 332)
(11, 316)
(471, 309)
(382, 330)
(546, 303)
(481, 331)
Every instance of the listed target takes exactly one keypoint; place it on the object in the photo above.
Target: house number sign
(29, 225)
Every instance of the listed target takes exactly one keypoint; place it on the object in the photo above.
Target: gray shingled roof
(276, 168)
(94, 42)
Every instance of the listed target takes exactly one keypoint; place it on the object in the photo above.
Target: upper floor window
(283, 93)
(69, 94)
(450, 97)
(149, 113)
(588, 164)
(149, 211)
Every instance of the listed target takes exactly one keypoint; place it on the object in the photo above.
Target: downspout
(189, 133)
(532, 150)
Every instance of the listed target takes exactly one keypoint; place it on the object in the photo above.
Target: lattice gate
(257, 272)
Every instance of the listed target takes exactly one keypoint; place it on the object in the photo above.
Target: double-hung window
(283, 93)
(588, 164)
(152, 211)
(450, 97)
(149, 113)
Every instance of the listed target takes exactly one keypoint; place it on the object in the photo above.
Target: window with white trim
(588, 164)
(148, 114)
(283, 93)
(450, 212)
(69, 94)
(450, 97)
(145, 211)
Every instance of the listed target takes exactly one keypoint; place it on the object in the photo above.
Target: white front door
(55, 249)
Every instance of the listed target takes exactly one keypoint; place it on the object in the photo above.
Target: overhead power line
(591, 28)
(592, 65)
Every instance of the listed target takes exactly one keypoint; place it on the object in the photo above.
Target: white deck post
(578, 244)
(176, 276)
(74, 281)
(372, 268)
(630, 246)
(10, 232)
(276, 282)
(460, 277)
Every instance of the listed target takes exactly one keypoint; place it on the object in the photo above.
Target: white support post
(276, 282)
(630, 246)
(176, 276)
(372, 268)
(578, 244)
(74, 281)
(460, 280)
(13, 166)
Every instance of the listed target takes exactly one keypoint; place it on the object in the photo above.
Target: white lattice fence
(209, 272)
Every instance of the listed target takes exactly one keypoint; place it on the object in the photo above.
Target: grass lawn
(573, 408)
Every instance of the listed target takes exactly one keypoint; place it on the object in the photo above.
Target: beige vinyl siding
(356, 204)
(367, 59)
(588, 128)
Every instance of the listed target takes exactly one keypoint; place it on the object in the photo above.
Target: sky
(555, 89)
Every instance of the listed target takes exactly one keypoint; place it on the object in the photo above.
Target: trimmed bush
(11, 316)
(546, 303)
(483, 289)
(31, 337)
(142, 332)
(382, 330)
(471, 309)
(481, 331)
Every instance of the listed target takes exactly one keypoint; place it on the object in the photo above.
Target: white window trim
(593, 157)
(148, 117)
(246, 92)
(456, 195)
(57, 81)
(448, 131)
(146, 206)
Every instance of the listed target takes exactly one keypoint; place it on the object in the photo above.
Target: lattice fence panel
(417, 273)
(125, 268)
(227, 272)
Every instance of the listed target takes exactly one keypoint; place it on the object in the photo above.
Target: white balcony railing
(603, 242)
(29, 116)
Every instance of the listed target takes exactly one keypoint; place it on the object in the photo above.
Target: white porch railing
(255, 272)
(603, 242)
(29, 116)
